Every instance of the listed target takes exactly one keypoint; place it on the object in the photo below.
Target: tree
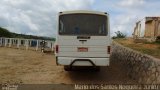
(119, 34)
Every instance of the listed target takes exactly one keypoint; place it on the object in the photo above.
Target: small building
(148, 29)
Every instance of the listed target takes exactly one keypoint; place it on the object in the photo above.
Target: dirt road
(31, 67)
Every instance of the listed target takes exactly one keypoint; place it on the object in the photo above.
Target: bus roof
(83, 11)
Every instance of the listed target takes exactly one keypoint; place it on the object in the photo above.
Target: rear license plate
(82, 49)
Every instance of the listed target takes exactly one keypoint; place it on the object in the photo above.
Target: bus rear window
(82, 24)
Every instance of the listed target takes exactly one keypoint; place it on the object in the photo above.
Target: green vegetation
(119, 34)
(152, 49)
(6, 33)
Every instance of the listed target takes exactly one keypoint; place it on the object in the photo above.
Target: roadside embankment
(140, 67)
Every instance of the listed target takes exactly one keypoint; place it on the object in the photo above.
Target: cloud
(36, 17)
(131, 3)
(39, 17)
(123, 23)
(131, 11)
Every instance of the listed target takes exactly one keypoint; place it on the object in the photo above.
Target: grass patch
(157, 42)
(150, 48)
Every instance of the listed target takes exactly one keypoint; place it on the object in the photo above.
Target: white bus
(83, 39)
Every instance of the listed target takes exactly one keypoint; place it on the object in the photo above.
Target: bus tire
(67, 68)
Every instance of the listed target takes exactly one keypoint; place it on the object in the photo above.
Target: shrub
(119, 34)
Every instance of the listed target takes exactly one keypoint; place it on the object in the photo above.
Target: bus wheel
(67, 68)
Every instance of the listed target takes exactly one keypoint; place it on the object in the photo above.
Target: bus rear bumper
(82, 61)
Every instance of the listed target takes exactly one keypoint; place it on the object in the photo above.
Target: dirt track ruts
(31, 67)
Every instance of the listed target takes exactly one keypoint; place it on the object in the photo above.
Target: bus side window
(61, 27)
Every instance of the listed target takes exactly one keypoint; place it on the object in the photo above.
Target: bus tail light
(109, 49)
(57, 49)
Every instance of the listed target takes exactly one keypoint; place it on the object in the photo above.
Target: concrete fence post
(52, 46)
(6, 42)
(10, 42)
(27, 44)
(18, 43)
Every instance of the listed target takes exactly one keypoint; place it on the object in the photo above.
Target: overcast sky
(38, 17)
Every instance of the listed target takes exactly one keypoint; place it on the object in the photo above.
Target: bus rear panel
(83, 39)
